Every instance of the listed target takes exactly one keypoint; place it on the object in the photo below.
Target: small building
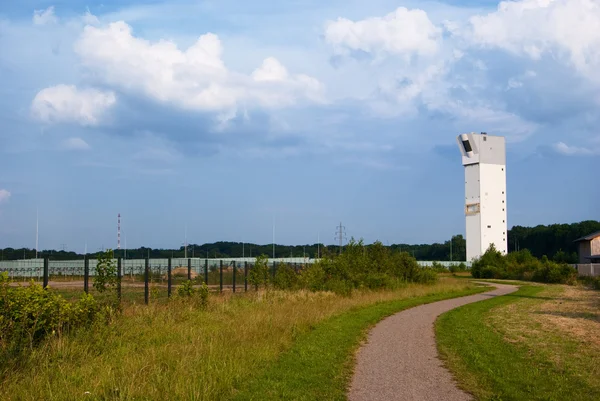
(589, 248)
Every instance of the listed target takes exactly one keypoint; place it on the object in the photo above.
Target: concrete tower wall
(484, 158)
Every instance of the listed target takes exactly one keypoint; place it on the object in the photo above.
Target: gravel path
(400, 360)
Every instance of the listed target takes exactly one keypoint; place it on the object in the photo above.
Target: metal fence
(588, 269)
(137, 277)
(148, 278)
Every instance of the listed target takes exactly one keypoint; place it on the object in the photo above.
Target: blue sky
(221, 116)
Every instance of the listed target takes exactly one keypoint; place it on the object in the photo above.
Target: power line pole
(340, 235)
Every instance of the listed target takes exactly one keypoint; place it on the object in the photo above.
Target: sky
(219, 120)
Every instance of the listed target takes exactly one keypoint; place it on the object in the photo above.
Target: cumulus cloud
(402, 31)
(194, 79)
(565, 29)
(67, 103)
(4, 195)
(44, 17)
(75, 144)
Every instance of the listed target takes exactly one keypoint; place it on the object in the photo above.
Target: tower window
(489, 226)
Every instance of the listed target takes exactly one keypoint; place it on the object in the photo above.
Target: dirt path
(400, 360)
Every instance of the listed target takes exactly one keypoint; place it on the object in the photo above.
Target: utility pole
(451, 238)
(318, 246)
(37, 231)
(340, 235)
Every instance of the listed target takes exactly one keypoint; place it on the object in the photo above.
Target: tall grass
(179, 350)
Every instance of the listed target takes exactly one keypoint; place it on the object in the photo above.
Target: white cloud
(67, 103)
(564, 29)
(4, 195)
(195, 78)
(568, 150)
(43, 17)
(75, 144)
(402, 31)
(90, 19)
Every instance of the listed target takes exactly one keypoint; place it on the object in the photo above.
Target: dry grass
(562, 325)
(177, 351)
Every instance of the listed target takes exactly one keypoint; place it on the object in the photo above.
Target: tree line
(555, 241)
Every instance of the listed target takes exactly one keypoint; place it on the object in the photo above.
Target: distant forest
(555, 241)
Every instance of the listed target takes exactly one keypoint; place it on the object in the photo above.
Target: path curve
(400, 359)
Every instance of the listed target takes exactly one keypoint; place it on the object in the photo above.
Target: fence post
(206, 271)
(169, 277)
(234, 269)
(146, 281)
(119, 277)
(245, 276)
(221, 275)
(189, 268)
(46, 263)
(86, 275)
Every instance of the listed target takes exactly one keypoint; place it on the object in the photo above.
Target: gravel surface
(400, 359)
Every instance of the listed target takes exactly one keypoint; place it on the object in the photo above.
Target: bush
(203, 292)
(285, 277)
(425, 275)
(359, 266)
(460, 267)
(186, 289)
(30, 313)
(259, 274)
(313, 277)
(339, 287)
(439, 268)
(522, 265)
(106, 272)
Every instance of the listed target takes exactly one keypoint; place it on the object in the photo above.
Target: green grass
(177, 351)
(497, 352)
(319, 365)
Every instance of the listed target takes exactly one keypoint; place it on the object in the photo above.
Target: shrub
(439, 268)
(460, 267)
(30, 313)
(106, 272)
(313, 277)
(203, 292)
(377, 280)
(425, 275)
(339, 287)
(186, 289)
(259, 274)
(285, 277)
(522, 265)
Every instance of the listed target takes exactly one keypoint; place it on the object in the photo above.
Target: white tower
(484, 158)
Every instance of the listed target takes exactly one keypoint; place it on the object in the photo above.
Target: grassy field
(540, 343)
(172, 351)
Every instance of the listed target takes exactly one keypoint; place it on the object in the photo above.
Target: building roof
(588, 237)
